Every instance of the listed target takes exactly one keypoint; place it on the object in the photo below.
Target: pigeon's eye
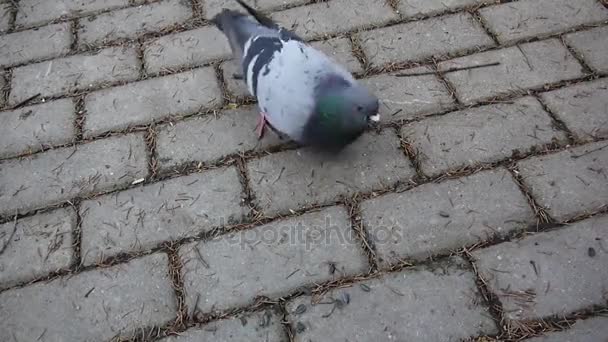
(360, 108)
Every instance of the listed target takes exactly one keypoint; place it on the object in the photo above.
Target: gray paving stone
(592, 45)
(213, 7)
(419, 40)
(189, 48)
(25, 46)
(439, 218)
(34, 12)
(5, 17)
(403, 98)
(521, 67)
(415, 8)
(334, 16)
(92, 306)
(536, 18)
(211, 137)
(142, 218)
(341, 51)
(131, 22)
(152, 99)
(236, 87)
(36, 246)
(258, 326)
(553, 273)
(589, 330)
(29, 129)
(58, 175)
(583, 108)
(416, 305)
(270, 260)
(481, 135)
(68, 74)
(293, 179)
(570, 182)
(527, 66)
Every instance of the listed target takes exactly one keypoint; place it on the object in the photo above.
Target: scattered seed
(300, 309)
(365, 287)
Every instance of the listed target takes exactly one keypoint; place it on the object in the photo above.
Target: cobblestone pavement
(137, 204)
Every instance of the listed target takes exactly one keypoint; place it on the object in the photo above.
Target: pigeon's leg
(260, 127)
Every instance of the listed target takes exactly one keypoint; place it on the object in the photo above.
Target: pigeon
(301, 92)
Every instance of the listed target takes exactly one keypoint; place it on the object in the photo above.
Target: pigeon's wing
(240, 29)
(283, 74)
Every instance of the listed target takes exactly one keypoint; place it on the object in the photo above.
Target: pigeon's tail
(261, 18)
(236, 27)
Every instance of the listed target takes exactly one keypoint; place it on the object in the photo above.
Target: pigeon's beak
(375, 118)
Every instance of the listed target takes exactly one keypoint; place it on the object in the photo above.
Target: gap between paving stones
(183, 27)
(198, 166)
(506, 333)
(370, 71)
(536, 329)
(81, 113)
(260, 220)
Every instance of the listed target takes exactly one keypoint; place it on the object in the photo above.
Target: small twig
(26, 101)
(588, 152)
(449, 70)
(10, 237)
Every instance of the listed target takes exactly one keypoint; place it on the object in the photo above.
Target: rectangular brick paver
(57, 175)
(415, 41)
(209, 138)
(533, 18)
(553, 273)
(32, 128)
(69, 74)
(583, 108)
(133, 21)
(403, 98)
(25, 46)
(416, 305)
(592, 46)
(92, 306)
(290, 180)
(481, 135)
(38, 245)
(141, 218)
(439, 218)
(270, 260)
(213, 7)
(589, 330)
(258, 326)
(341, 51)
(414, 8)
(189, 48)
(334, 16)
(571, 182)
(521, 67)
(145, 101)
(33, 12)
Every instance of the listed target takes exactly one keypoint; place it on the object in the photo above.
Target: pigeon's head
(343, 111)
